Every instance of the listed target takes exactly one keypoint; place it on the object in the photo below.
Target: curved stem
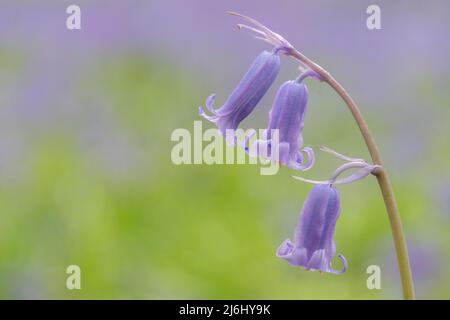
(381, 174)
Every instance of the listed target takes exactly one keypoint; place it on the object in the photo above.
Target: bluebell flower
(286, 119)
(246, 95)
(313, 246)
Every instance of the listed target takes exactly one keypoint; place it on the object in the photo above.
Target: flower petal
(203, 114)
(210, 103)
(299, 165)
(293, 255)
(318, 261)
(344, 262)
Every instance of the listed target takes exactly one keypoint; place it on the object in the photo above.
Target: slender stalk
(381, 174)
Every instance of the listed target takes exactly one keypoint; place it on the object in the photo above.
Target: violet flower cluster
(312, 246)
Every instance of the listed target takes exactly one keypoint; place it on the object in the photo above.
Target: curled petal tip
(212, 96)
(311, 158)
(300, 164)
(286, 248)
(344, 262)
(202, 113)
(210, 103)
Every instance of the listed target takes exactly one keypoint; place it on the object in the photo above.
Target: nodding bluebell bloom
(287, 118)
(246, 95)
(313, 247)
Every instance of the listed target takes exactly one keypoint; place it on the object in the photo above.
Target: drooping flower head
(287, 119)
(313, 246)
(246, 95)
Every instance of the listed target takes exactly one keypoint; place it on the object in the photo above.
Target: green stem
(381, 175)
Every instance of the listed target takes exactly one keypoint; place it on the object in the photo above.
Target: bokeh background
(86, 176)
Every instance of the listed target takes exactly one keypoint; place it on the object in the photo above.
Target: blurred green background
(86, 176)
